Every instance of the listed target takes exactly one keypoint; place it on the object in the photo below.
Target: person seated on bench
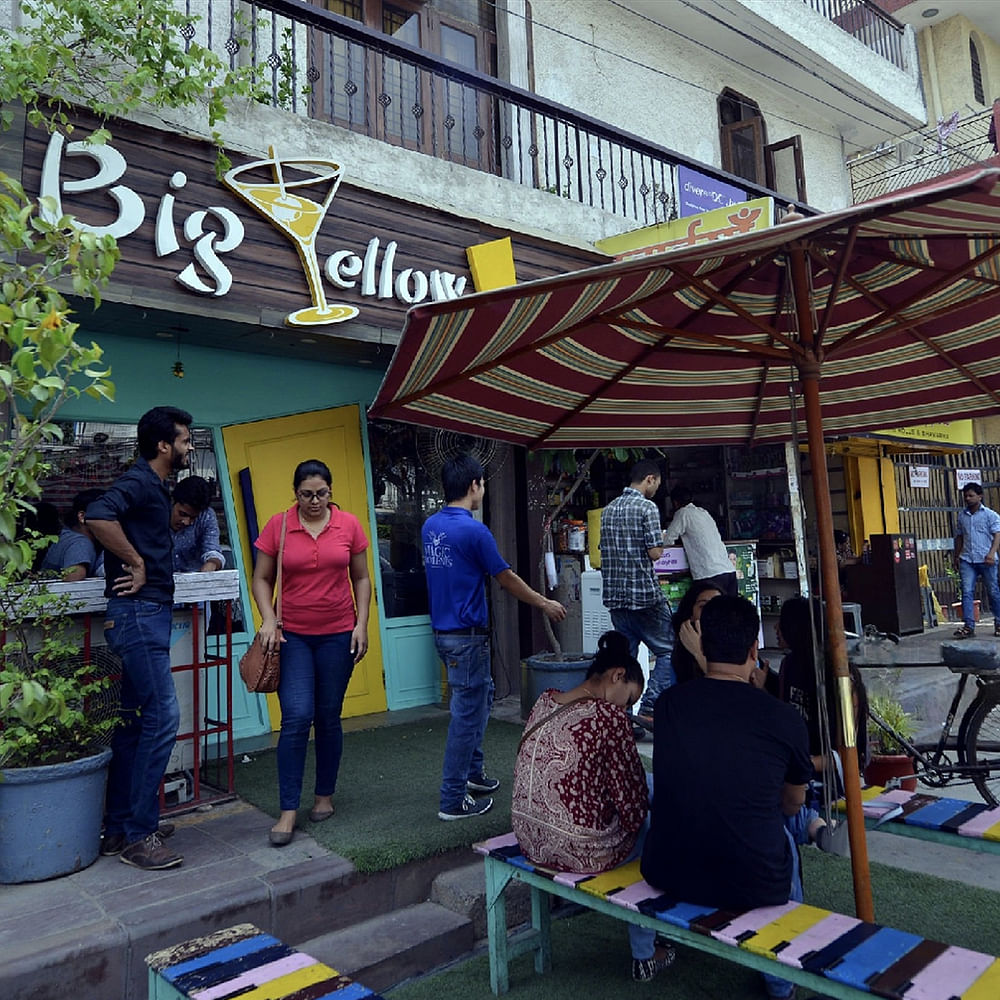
(797, 680)
(730, 763)
(581, 794)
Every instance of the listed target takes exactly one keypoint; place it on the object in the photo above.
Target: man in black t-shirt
(730, 762)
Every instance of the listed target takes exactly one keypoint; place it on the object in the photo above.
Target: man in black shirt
(730, 762)
(132, 522)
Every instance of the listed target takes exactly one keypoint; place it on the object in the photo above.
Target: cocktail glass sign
(293, 193)
(285, 203)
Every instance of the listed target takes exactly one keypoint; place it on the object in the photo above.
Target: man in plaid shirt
(631, 541)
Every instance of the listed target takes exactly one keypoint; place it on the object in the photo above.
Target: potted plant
(53, 738)
(888, 756)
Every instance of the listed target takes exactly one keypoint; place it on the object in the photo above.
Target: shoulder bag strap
(552, 715)
(277, 582)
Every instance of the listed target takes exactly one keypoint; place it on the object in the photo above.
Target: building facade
(407, 152)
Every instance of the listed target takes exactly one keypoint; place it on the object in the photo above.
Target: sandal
(967, 633)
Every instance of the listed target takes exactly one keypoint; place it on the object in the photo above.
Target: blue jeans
(315, 672)
(642, 940)
(138, 632)
(968, 571)
(467, 660)
(652, 626)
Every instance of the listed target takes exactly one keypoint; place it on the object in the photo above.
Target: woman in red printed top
(325, 598)
(580, 791)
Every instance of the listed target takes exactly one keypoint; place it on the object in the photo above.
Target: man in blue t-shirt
(459, 554)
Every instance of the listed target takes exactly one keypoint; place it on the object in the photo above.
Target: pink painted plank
(978, 825)
(485, 846)
(256, 977)
(753, 920)
(818, 936)
(949, 975)
(573, 879)
(634, 894)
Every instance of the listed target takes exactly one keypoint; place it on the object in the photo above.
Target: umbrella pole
(836, 639)
(837, 645)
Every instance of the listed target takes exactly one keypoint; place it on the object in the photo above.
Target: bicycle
(973, 753)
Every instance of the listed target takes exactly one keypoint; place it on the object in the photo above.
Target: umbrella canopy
(879, 315)
(701, 345)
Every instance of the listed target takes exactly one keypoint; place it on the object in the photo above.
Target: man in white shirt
(706, 554)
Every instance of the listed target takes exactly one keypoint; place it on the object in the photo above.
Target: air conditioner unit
(597, 618)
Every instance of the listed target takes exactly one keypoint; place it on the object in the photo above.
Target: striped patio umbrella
(880, 315)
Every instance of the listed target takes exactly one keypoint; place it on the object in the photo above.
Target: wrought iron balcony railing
(921, 156)
(867, 23)
(339, 71)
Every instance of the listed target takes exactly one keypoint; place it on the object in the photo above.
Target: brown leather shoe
(149, 854)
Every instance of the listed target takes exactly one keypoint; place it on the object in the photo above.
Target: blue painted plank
(225, 954)
(934, 815)
(872, 957)
(820, 960)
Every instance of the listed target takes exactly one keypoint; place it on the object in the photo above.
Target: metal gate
(930, 512)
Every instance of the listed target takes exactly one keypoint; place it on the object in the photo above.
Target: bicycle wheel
(982, 745)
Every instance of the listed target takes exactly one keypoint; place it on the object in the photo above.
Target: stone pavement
(86, 935)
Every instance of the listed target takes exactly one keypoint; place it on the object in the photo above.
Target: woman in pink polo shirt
(325, 597)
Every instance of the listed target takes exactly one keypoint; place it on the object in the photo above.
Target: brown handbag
(260, 669)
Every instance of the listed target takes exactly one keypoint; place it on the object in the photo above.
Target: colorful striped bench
(834, 955)
(956, 822)
(245, 962)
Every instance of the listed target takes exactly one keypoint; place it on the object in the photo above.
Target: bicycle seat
(971, 656)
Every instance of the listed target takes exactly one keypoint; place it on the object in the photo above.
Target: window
(92, 455)
(978, 91)
(393, 100)
(405, 493)
(743, 135)
(747, 153)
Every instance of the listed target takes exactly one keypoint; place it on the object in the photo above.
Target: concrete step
(463, 890)
(390, 948)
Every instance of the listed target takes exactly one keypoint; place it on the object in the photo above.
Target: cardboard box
(790, 570)
(765, 568)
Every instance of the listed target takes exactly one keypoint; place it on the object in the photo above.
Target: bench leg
(496, 924)
(541, 920)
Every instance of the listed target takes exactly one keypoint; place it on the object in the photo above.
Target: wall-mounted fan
(435, 447)
(105, 703)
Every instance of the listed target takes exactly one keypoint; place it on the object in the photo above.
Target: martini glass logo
(294, 195)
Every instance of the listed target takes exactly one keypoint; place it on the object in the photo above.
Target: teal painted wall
(219, 387)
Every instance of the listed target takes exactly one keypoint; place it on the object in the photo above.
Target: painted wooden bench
(974, 826)
(834, 955)
(243, 961)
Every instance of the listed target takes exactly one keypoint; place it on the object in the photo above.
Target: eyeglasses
(310, 495)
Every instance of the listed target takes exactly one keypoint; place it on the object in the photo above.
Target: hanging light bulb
(178, 368)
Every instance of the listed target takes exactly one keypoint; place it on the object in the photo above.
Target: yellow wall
(871, 509)
(946, 69)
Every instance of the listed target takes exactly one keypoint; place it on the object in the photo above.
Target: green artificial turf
(592, 949)
(387, 793)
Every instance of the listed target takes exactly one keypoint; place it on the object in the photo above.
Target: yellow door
(271, 449)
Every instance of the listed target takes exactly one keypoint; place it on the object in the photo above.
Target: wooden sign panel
(280, 239)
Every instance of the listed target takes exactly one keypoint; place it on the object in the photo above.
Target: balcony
(921, 156)
(867, 23)
(338, 71)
